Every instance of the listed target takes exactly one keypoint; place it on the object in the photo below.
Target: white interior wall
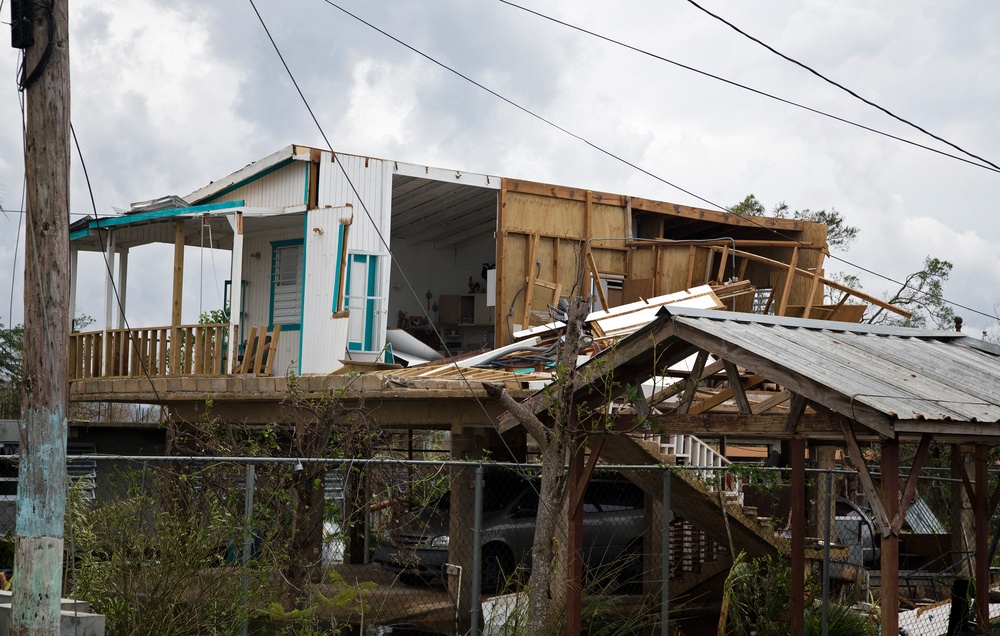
(443, 272)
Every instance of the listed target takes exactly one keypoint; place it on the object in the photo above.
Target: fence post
(477, 527)
(665, 556)
(247, 542)
(830, 510)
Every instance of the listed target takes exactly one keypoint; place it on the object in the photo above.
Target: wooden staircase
(700, 554)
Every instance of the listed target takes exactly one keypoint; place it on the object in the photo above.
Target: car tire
(497, 569)
(413, 579)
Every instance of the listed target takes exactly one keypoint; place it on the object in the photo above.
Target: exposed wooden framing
(812, 292)
(743, 269)
(826, 281)
(795, 382)
(722, 264)
(867, 483)
(890, 542)
(737, 243)
(691, 384)
(675, 388)
(657, 285)
(779, 398)
(736, 386)
(789, 278)
(178, 289)
(588, 212)
(911, 484)
(531, 267)
(502, 301)
(597, 280)
(725, 394)
(690, 272)
(628, 219)
(795, 412)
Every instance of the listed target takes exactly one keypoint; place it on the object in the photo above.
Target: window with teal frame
(286, 284)
(364, 300)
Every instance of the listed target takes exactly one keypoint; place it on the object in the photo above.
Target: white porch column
(122, 280)
(235, 288)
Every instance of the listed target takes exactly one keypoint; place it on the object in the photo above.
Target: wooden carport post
(981, 507)
(890, 542)
(178, 293)
(798, 523)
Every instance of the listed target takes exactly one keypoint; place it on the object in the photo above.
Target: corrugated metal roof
(906, 374)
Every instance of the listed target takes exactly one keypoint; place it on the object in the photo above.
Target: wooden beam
(911, 484)
(736, 386)
(867, 483)
(692, 381)
(779, 398)
(597, 280)
(789, 278)
(795, 412)
(178, 289)
(890, 542)
(531, 267)
(878, 302)
(725, 394)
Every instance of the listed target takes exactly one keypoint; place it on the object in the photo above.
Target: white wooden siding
(257, 299)
(369, 231)
(372, 178)
(324, 337)
(285, 187)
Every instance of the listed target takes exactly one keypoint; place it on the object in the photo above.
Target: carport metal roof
(893, 380)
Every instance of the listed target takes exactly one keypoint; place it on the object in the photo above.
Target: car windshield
(499, 491)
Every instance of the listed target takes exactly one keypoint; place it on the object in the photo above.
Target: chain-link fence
(222, 545)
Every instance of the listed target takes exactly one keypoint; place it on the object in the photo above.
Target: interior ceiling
(439, 212)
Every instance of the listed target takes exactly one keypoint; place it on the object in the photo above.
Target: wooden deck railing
(151, 351)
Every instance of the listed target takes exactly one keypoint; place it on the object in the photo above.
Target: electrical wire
(840, 86)
(750, 219)
(743, 86)
(132, 337)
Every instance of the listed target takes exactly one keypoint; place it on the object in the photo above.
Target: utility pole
(42, 30)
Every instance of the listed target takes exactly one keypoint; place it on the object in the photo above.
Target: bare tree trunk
(547, 588)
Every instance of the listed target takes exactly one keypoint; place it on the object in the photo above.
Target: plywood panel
(608, 222)
(673, 270)
(544, 215)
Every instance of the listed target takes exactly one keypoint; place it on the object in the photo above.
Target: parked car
(613, 525)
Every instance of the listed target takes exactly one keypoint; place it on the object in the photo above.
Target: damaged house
(342, 263)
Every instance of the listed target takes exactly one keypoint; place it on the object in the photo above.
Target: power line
(524, 109)
(840, 86)
(743, 86)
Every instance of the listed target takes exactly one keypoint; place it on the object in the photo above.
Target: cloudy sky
(168, 96)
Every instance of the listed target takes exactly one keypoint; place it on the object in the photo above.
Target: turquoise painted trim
(270, 311)
(251, 179)
(336, 275)
(79, 235)
(370, 305)
(141, 217)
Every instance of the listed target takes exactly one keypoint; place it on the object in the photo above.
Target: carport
(846, 384)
